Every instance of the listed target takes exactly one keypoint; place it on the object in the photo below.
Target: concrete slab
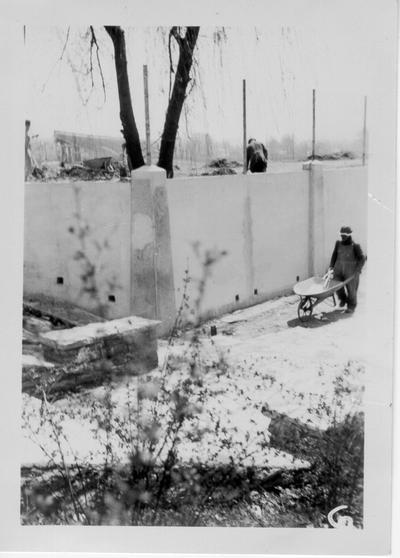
(92, 333)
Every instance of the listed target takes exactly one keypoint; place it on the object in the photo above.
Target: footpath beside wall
(128, 247)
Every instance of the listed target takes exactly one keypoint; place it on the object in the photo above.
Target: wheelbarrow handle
(349, 279)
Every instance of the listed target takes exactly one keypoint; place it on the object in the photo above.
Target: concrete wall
(260, 221)
(280, 223)
(145, 237)
(345, 204)
(63, 220)
(209, 212)
(152, 281)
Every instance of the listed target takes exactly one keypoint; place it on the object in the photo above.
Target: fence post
(244, 129)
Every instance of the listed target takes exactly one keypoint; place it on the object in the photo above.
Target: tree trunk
(182, 78)
(129, 128)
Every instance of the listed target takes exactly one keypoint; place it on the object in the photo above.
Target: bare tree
(185, 38)
(186, 44)
(129, 128)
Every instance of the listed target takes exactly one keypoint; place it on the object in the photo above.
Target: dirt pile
(220, 167)
(104, 168)
(338, 155)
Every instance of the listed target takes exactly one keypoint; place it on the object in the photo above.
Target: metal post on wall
(147, 114)
(313, 125)
(244, 129)
(364, 132)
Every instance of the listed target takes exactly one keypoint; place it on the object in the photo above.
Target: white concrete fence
(127, 247)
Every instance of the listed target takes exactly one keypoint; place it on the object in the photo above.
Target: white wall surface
(50, 250)
(280, 230)
(208, 211)
(346, 203)
(261, 222)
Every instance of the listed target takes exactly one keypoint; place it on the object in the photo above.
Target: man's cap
(346, 231)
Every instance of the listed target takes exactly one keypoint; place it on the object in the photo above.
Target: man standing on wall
(347, 262)
(257, 156)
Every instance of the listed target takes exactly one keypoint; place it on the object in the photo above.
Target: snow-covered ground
(274, 363)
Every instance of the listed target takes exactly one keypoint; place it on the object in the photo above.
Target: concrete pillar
(152, 282)
(316, 253)
(248, 243)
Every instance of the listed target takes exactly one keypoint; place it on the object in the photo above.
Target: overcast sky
(336, 47)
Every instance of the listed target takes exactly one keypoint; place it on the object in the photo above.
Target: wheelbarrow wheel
(305, 309)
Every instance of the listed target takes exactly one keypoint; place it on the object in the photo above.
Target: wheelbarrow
(315, 290)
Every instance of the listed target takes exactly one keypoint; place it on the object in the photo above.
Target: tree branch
(175, 33)
(130, 131)
(186, 45)
(171, 66)
(93, 42)
(65, 44)
(58, 60)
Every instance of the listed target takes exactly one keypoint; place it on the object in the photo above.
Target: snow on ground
(274, 362)
(300, 359)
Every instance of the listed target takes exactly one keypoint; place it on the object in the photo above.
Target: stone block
(36, 373)
(88, 355)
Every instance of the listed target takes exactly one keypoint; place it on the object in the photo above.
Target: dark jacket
(257, 157)
(359, 258)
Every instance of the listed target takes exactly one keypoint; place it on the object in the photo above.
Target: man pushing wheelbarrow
(346, 264)
(342, 278)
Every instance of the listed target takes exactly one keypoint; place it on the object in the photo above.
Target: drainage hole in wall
(111, 298)
(237, 298)
(256, 291)
(60, 280)
(297, 278)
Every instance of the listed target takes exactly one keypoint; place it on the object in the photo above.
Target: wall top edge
(78, 183)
